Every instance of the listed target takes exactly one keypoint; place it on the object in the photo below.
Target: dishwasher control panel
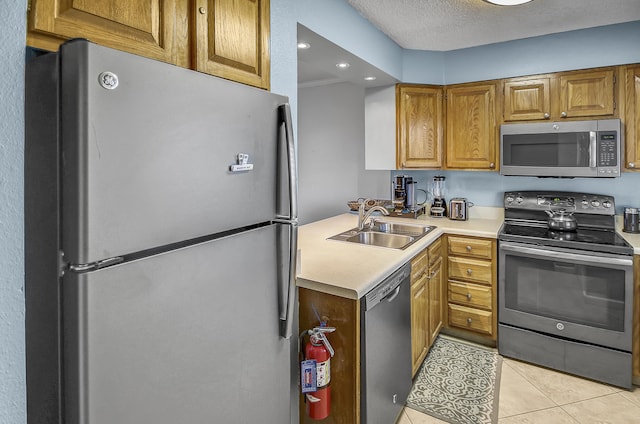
(388, 287)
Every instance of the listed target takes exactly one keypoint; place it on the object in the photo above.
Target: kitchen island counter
(350, 270)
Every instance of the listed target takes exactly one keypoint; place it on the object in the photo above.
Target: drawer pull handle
(468, 296)
(468, 248)
(469, 271)
(468, 320)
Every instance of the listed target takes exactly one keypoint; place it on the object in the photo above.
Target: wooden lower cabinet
(471, 288)
(426, 301)
(344, 315)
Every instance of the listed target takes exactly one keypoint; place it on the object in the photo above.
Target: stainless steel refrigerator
(160, 226)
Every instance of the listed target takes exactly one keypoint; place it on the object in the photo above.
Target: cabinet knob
(468, 248)
(563, 114)
(631, 165)
(469, 320)
(546, 116)
(202, 10)
(492, 165)
(469, 271)
(468, 296)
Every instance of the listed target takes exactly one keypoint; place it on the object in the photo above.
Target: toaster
(459, 209)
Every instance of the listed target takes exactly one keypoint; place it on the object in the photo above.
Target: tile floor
(531, 394)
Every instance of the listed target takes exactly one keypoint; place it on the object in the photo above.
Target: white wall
(331, 152)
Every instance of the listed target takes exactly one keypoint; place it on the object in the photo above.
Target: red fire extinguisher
(318, 353)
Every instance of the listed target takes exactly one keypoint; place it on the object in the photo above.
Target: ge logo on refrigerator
(560, 326)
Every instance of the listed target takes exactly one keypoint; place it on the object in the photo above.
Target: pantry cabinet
(426, 301)
(471, 286)
(226, 38)
(563, 95)
(471, 129)
(632, 121)
(420, 126)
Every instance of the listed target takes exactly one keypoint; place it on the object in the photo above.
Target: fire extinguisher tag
(308, 375)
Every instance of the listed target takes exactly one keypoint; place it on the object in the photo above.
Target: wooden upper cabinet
(632, 122)
(419, 126)
(232, 40)
(587, 94)
(527, 99)
(226, 38)
(471, 135)
(563, 95)
(153, 28)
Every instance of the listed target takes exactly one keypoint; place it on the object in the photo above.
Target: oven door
(578, 295)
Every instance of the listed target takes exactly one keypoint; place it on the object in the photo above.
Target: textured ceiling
(442, 25)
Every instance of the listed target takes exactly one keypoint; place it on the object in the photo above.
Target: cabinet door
(152, 28)
(435, 300)
(471, 138)
(587, 94)
(232, 40)
(632, 124)
(419, 139)
(526, 100)
(419, 322)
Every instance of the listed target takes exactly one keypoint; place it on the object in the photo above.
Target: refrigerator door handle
(288, 258)
(284, 113)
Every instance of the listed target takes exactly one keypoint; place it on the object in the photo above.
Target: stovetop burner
(526, 221)
(584, 239)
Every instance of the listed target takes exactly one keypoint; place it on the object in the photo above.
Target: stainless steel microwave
(562, 149)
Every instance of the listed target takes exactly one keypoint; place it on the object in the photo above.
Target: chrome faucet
(364, 216)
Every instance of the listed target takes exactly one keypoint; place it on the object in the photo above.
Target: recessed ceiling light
(303, 45)
(342, 65)
(508, 2)
(369, 78)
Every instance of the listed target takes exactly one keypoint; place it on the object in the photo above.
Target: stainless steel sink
(392, 235)
(394, 241)
(401, 228)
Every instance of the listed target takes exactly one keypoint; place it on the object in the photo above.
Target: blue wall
(339, 23)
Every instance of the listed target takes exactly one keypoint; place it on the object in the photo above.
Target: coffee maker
(403, 197)
(438, 204)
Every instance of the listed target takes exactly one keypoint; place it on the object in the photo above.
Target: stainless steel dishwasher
(385, 333)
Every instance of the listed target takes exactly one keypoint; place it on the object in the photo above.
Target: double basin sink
(392, 235)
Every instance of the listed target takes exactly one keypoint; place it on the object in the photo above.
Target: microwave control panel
(607, 152)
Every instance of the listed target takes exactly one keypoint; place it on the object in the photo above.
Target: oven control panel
(573, 202)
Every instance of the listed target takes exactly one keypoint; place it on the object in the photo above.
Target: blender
(438, 204)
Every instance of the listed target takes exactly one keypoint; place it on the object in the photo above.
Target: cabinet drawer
(472, 247)
(419, 265)
(470, 294)
(471, 319)
(435, 251)
(470, 270)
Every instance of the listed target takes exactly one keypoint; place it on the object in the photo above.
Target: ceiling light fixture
(508, 2)
(369, 78)
(342, 65)
(303, 45)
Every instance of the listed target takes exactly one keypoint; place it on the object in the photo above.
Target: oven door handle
(554, 254)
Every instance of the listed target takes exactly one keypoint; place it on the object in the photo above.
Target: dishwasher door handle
(391, 296)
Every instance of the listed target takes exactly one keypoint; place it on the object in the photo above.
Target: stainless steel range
(566, 297)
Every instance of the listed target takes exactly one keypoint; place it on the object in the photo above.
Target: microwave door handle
(593, 152)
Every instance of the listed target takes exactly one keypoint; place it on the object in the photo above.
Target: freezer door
(190, 336)
(147, 149)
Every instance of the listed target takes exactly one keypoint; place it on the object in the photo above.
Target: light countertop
(632, 239)
(350, 270)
